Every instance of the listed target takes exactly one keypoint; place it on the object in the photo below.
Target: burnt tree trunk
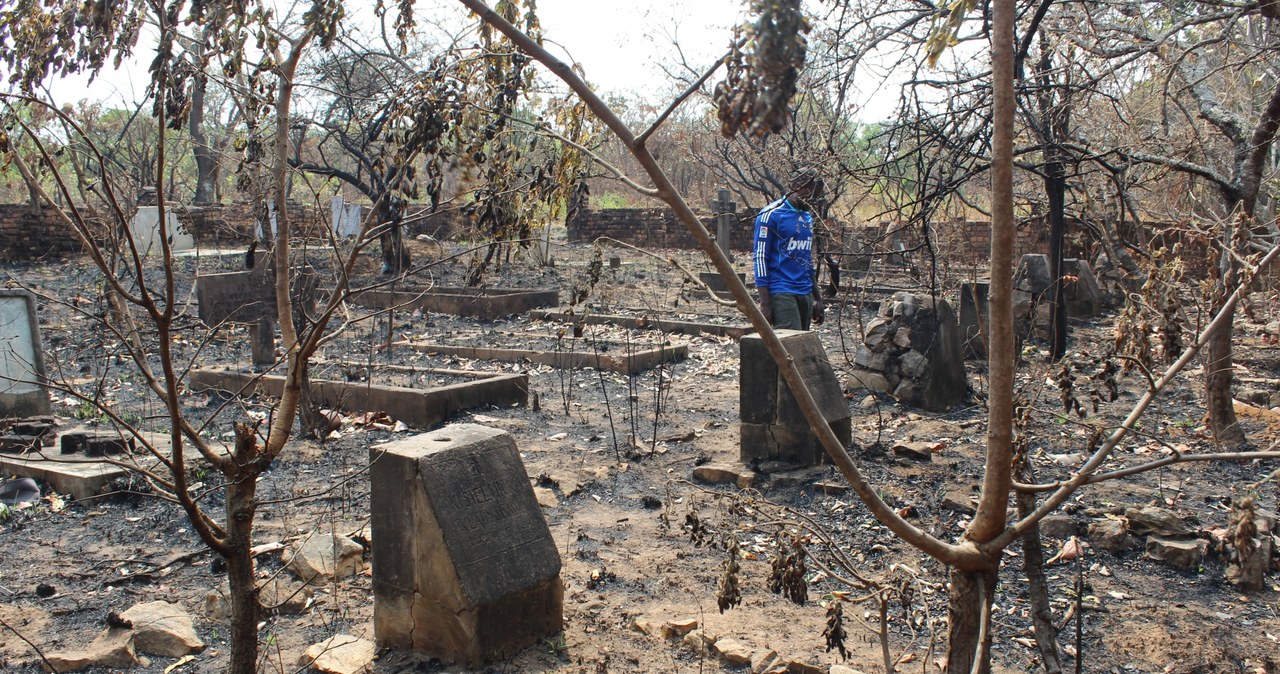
(242, 506)
(969, 613)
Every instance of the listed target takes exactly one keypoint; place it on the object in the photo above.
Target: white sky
(618, 43)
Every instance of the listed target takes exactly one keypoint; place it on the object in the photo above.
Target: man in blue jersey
(783, 255)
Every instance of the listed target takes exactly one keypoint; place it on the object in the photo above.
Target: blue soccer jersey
(783, 251)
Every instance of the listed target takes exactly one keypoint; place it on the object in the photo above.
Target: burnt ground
(641, 541)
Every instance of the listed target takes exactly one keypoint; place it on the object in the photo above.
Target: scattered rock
(733, 651)
(725, 473)
(113, 648)
(697, 641)
(841, 669)
(546, 498)
(870, 381)
(831, 487)
(958, 501)
(793, 478)
(1109, 535)
(679, 628)
(161, 628)
(802, 667)
(1183, 554)
(916, 451)
(1058, 526)
(1157, 521)
(319, 558)
(870, 401)
(340, 654)
(645, 626)
(763, 661)
(279, 595)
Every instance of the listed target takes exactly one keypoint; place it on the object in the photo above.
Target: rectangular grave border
(637, 361)
(649, 323)
(482, 303)
(420, 408)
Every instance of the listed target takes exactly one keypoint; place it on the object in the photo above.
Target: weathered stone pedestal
(464, 567)
(772, 425)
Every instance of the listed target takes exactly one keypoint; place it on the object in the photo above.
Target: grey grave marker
(464, 566)
(22, 393)
(724, 210)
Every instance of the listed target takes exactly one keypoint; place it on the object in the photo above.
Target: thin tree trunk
(970, 596)
(1046, 632)
(241, 509)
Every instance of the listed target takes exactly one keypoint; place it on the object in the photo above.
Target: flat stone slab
(80, 477)
(648, 323)
(614, 360)
(420, 407)
(482, 303)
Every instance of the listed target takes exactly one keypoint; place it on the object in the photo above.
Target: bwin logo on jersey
(799, 245)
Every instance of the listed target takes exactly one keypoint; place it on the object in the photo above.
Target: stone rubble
(913, 351)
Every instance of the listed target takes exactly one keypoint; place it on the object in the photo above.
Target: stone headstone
(249, 297)
(22, 392)
(147, 236)
(348, 219)
(772, 425)
(464, 566)
(716, 283)
(1081, 292)
(724, 209)
(1033, 274)
(237, 296)
(975, 317)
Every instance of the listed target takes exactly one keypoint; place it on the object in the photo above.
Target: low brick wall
(653, 227)
(236, 224)
(28, 234)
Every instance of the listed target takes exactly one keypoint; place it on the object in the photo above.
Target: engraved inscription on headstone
(21, 365)
(464, 567)
(238, 296)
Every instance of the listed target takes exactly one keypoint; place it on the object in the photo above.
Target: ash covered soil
(642, 540)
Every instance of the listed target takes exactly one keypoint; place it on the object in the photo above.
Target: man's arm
(760, 257)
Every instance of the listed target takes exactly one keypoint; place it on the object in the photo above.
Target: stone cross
(724, 210)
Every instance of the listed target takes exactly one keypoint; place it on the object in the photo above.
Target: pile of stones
(912, 351)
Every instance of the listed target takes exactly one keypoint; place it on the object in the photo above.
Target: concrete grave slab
(81, 477)
(22, 393)
(648, 323)
(772, 425)
(416, 407)
(464, 566)
(615, 360)
(481, 303)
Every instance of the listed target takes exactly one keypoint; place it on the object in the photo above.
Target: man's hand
(819, 313)
(765, 307)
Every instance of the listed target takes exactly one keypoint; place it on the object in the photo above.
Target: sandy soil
(641, 541)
